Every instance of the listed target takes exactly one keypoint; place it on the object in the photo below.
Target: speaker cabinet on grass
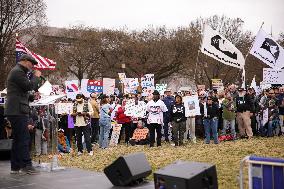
(128, 170)
(186, 175)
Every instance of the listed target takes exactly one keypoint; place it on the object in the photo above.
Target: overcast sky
(138, 14)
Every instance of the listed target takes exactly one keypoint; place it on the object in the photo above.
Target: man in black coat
(244, 108)
(17, 111)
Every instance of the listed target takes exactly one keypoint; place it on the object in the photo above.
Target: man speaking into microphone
(17, 111)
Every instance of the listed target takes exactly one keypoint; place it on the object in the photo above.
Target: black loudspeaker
(5, 149)
(6, 144)
(128, 170)
(186, 175)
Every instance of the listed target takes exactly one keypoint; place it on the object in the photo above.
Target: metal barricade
(263, 173)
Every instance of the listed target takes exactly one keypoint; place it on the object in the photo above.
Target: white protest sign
(129, 107)
(135, 110)
(121, 77)
(191, 104)
(72, 88)
(161, 88)
(64, 108)
(272, 76)
(130, 85)
(109, 85)
(147, 84)
(140, 110)
(115, 134)
(265, 116)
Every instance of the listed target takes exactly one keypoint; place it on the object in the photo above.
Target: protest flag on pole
(221, 49)
(266, 49)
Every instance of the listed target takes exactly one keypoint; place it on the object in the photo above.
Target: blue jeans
(20, 154)
(232, 127)
(211, 124)
(105, 126)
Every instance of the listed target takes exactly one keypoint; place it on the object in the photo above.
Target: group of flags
(264, 48)
(214, 45)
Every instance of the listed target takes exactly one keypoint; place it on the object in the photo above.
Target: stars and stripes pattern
(43, 63)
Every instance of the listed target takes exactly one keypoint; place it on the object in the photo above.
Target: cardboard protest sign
(140, 134)
(115, 134)
(272, 76)
(191, 104)
(217, 84)
(109, 85)
(147, 84)
(72, 88)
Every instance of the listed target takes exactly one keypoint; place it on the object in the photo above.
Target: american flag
(43, 63)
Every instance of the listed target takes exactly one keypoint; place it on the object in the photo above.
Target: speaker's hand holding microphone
(37, 73)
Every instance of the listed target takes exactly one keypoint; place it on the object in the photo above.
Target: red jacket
(121, 117)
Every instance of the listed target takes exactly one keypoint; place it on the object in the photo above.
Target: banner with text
(272, 76)
(115, 134)
(147, 84)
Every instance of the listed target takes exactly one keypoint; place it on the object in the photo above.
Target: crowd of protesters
(229, 114)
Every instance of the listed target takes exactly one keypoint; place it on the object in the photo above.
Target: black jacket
(212, 110)
(18, 87)
(244, 103)
(177, 113)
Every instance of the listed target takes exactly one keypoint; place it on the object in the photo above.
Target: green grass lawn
(226, 156)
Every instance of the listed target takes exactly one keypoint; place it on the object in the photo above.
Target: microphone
(41, 77)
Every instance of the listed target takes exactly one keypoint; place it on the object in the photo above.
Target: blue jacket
(169, 102)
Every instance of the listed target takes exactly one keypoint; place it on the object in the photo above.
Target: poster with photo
(191, 104)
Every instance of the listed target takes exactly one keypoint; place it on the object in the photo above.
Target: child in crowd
(63, 143)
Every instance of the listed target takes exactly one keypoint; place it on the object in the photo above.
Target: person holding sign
(140, 135)
(178, 120)
(155, 109)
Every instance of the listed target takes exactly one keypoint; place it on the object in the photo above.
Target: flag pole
(243, 74)
(197, 58)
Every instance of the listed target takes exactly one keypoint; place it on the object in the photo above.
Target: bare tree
(15, 16)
